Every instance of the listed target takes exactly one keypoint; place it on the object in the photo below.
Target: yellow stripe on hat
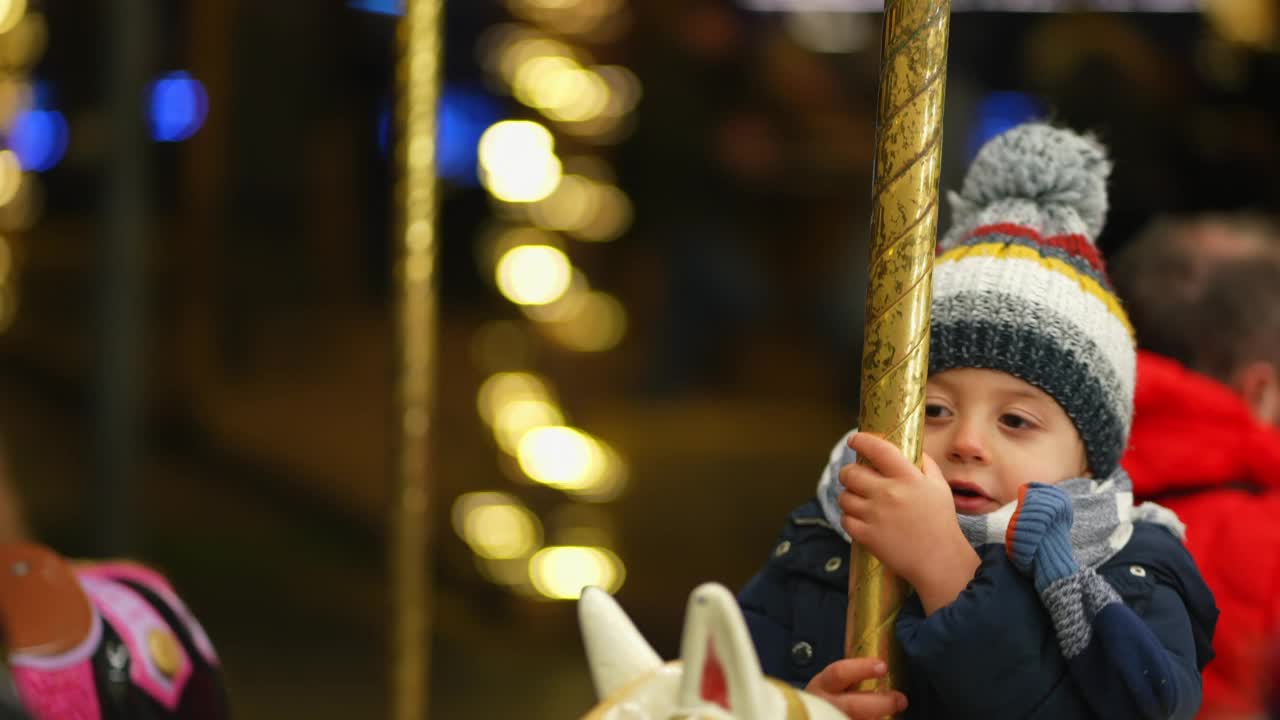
(1021, 252)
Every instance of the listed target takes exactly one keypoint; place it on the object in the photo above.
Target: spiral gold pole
(418, 77)
(895, 357)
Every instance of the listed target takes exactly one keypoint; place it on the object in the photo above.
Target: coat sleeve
(1126, 665)
(991, 652)
(1076, 651)
(766, 606)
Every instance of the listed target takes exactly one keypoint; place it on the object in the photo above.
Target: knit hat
(1019, 285)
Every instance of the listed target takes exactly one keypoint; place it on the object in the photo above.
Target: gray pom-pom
(1040, 170)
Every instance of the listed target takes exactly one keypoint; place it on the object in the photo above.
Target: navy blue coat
(993, 652)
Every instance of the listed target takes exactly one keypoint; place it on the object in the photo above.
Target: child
(1039, 590)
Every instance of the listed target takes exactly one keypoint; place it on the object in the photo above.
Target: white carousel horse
(717, 678)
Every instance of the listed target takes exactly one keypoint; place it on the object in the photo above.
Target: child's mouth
(969, 499)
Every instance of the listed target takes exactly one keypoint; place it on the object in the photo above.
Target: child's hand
(837, 681)
(907, 519)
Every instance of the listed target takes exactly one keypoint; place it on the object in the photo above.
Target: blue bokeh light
(463, 116)
(39, 139)
(178, 105)
(998, 112)
(380, 7)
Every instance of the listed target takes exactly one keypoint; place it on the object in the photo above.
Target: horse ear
(616, 651)
(715, 636)
(714, 687)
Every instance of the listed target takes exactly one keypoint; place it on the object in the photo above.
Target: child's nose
(967, 444)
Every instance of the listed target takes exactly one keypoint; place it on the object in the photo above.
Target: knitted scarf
(1103, 510)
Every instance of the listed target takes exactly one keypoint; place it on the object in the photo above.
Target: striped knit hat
(1019, 285)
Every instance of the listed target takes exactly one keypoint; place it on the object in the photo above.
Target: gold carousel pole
(895, 356)
(418, 76)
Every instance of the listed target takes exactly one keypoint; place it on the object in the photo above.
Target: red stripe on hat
(1077, 245)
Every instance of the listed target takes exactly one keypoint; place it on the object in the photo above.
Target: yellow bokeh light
(517, 418)
(561, 88)
(567, 306)
(10, 176)
(501, 532)
(533, 274)
(522, 47)
(624, 89)
(599, 325)
(503, 388)
(23, 46)
(609, 480)
(572, 206)
(15, 96)
(561, 572)
(24, 208)
(612, 216)
(518, 162)
(579, 95)
(11, 12)
(561, 457)
(496, 526)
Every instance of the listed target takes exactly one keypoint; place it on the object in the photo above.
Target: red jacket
(1196, 448)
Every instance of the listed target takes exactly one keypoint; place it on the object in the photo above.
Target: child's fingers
(870, 705)
(859, 530)
(853, 505)
(931, 469)
(884, 455)
(860, 479)
(842, 675)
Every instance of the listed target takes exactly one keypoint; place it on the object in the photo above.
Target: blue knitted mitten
(1038, 539)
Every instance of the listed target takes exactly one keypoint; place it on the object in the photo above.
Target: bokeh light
(567, 306)
(39, 138)
(517, 418)
(561, 572)
(502, 388)
(22, 46)
(561, 457)
(571, 206)
(599, 324)
(533, 274)
(178, 106)
(624, 89)
(10, 176)
(15, 97)
(998, 112)
(518, 162)
(496, 525)
(11, 12)
(611, 218)
(608, 481)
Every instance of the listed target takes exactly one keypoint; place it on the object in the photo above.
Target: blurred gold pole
(418, 76)
(895, 356)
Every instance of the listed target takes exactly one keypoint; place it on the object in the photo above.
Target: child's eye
(1015, 422)
(934, 410)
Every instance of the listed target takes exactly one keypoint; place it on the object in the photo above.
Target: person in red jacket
(1204, 297)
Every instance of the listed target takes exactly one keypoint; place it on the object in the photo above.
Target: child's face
(991, 433)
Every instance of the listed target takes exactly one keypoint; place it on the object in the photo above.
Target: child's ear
(1258, 384)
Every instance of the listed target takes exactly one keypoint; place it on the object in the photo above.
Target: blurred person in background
(1204, 297)
(12, 527)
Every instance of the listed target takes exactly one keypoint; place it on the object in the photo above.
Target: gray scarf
(1103, 510)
